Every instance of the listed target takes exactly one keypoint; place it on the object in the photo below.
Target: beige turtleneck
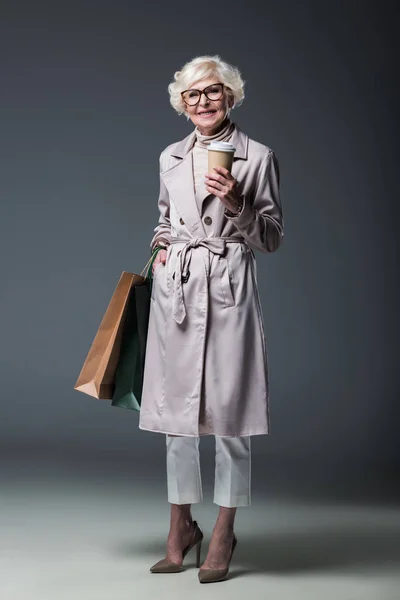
(200, 157)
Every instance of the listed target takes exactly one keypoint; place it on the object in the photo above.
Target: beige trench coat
(206, 368)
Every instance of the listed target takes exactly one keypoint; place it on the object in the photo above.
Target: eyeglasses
(212, 92)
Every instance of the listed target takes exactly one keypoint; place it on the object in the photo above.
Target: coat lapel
(180, 183)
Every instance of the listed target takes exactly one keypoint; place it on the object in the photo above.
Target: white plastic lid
(223, 146)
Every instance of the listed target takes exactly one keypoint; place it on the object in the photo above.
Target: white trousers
(232, 470)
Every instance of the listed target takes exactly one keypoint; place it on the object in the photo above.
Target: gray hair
(202, 67)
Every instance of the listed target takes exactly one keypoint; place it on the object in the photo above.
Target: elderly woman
(206, 367)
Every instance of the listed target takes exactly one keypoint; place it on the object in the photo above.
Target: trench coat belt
(216, 245)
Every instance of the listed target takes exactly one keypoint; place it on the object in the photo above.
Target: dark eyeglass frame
(204, 92)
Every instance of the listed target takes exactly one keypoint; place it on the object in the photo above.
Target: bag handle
(149, 264)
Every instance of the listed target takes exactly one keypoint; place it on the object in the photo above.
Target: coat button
(181, 221)
(207, 220)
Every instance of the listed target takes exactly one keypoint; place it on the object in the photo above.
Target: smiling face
(208, 115)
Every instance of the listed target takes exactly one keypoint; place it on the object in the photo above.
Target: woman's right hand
(161, 257)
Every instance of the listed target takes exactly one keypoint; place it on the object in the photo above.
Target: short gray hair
(202, 67)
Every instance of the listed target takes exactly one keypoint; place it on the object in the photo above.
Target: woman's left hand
(222, 184)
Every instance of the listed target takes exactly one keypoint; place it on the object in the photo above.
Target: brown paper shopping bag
(97, 377)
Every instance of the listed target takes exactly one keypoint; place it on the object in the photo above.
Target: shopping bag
(98, 375)
(130, 369)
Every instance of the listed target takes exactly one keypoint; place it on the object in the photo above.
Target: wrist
(237, 210)
(159, 245)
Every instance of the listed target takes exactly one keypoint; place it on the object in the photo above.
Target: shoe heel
(198, 554)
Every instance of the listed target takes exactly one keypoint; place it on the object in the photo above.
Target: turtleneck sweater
(202, 141)
(200, 158)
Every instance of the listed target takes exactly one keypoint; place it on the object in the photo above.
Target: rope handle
(149, 264)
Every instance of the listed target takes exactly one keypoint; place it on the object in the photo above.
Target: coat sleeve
(162, 233)
(260, 220)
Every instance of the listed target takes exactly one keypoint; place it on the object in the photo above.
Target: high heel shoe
(211, 575)
(168, 566)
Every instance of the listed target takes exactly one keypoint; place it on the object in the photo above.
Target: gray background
(85, 113)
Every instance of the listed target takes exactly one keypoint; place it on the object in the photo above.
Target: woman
(206, 368)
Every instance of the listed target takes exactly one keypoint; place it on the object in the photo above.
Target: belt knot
(195, 242)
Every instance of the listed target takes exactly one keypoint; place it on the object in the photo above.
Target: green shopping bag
(130, 369)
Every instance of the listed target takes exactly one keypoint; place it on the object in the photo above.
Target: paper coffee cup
(220, 154)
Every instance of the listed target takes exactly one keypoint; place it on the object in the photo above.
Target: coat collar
(239, 139)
